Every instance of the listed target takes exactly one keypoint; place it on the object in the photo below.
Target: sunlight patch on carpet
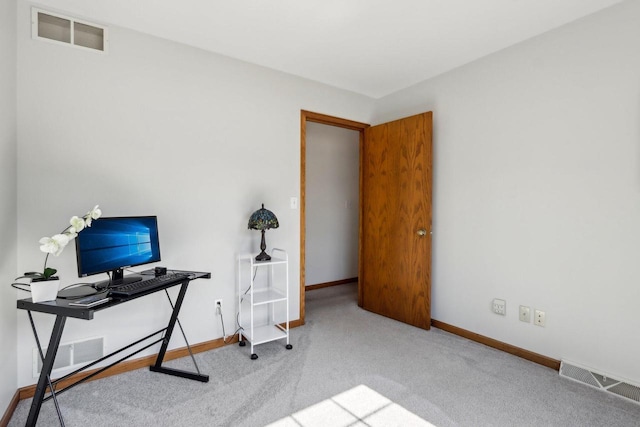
(359, 406)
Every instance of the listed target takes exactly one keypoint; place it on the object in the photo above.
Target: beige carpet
(354, 367)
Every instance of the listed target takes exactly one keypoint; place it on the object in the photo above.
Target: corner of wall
(8, 194)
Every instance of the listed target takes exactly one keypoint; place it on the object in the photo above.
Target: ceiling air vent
(62, 29)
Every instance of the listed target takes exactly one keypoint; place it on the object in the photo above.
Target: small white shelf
(266, 294)
(272, 261)
(265, 333)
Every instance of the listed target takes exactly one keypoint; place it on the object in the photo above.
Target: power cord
(19, 285)
(219, 311)
(224, 333)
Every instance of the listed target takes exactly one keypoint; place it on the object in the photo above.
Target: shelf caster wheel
(242, 343)
(254, 356)
(289, 347)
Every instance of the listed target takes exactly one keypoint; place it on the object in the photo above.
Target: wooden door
(395, 254)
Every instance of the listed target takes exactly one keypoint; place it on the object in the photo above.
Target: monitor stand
(117, 279)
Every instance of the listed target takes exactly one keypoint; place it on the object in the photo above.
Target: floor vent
(70, 354)
(600, 381)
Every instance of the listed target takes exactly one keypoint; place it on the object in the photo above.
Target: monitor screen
(111, 244)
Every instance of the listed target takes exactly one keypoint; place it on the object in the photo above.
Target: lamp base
(263, 256)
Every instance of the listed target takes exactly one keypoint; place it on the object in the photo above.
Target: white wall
(332, 187)
(8, 218)
(537, 190)
(156, 127)
(536, 185)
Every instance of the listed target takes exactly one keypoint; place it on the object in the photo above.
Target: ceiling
(371, 47)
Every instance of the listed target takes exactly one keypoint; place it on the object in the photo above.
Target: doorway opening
(322, 119)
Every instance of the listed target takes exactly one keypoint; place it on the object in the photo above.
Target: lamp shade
(263, 219)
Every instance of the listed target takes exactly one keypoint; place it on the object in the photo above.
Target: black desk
(62, 310)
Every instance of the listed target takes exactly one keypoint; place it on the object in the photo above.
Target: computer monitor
(112, 244)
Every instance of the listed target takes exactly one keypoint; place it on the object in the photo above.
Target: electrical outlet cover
(525, 314)
(500, 307)
(539, 318)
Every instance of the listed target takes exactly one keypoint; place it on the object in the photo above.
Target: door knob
(422, 232)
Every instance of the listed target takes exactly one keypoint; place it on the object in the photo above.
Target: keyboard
(135, 288)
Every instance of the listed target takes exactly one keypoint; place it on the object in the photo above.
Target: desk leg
(157, 367)
(47, 366)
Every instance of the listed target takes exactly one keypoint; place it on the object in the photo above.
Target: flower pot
(46, 290)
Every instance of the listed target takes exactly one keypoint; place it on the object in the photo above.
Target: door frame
(309, 116)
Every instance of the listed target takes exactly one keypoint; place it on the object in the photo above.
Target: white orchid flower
(55, 244)
(48, 245)
(94, 213)
(77, 224)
